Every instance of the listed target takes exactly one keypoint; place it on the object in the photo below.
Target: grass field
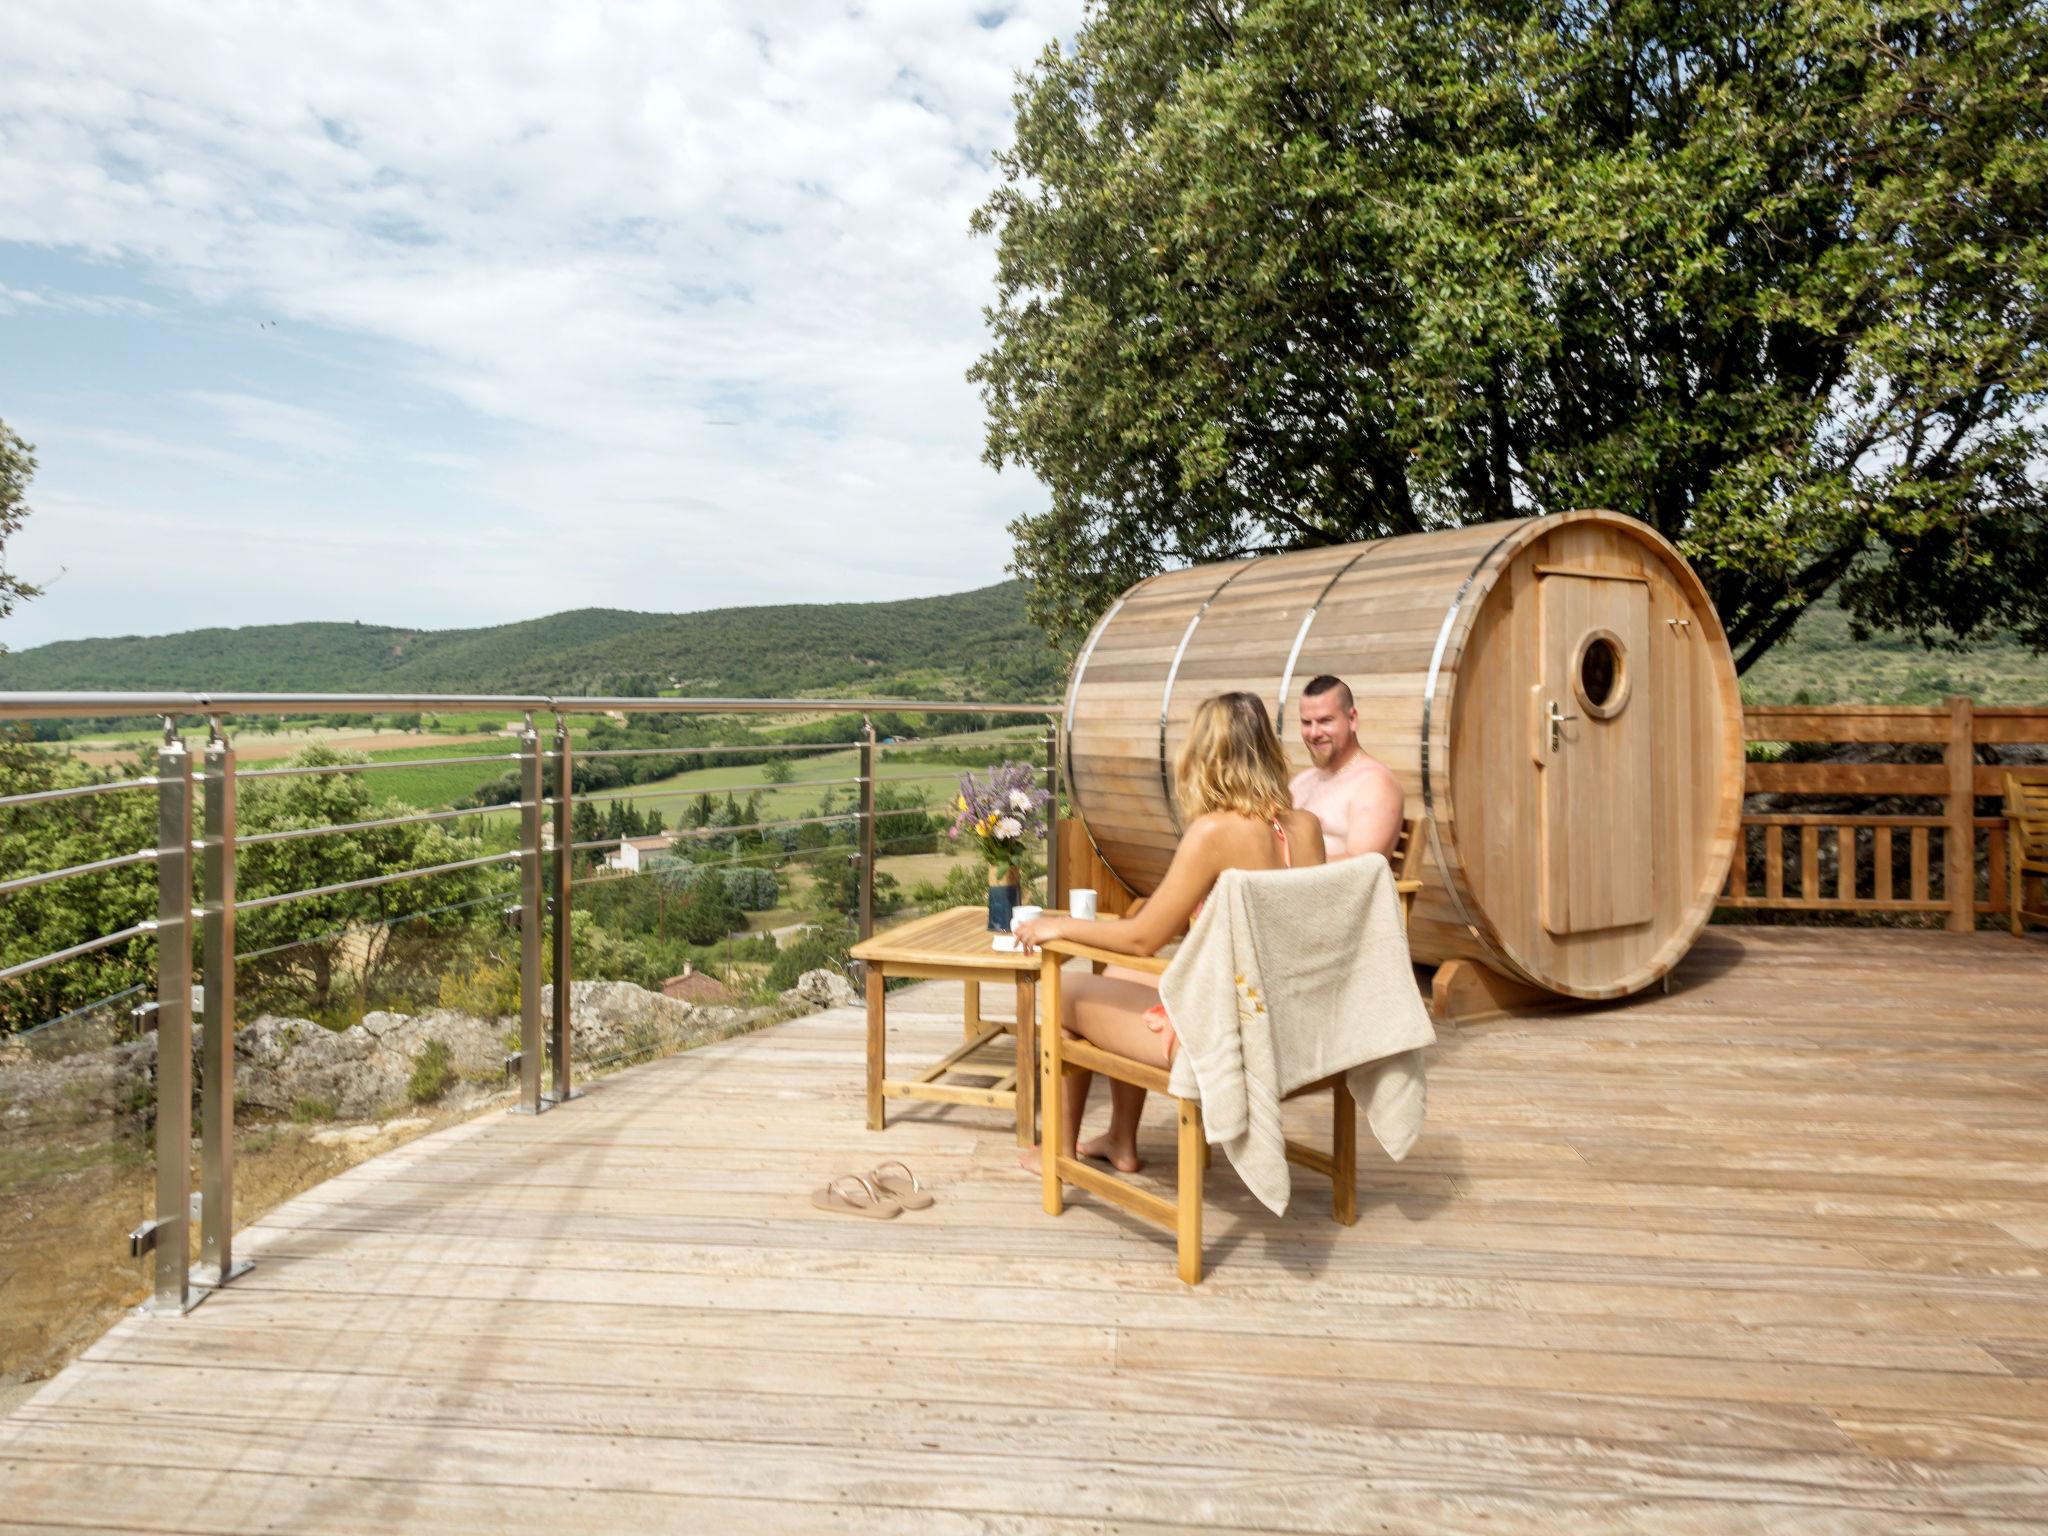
(1819, 663)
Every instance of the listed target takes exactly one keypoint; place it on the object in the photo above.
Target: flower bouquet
(1002, 813)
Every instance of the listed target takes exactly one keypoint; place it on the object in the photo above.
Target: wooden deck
(1764, 1255)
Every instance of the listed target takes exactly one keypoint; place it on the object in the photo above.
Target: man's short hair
(1323, 684)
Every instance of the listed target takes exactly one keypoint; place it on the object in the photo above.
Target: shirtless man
(1354, 795)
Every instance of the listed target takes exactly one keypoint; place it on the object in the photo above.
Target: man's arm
(1374, 823)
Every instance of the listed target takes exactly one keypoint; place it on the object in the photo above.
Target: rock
(822, 989)
(363, 1072)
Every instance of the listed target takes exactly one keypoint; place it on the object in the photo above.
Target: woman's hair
(1231, 761)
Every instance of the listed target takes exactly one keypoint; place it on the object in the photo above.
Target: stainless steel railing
(214, 782)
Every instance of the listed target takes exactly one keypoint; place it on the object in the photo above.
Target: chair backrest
(1082, 866)
(2026, 809)
(1407, 862)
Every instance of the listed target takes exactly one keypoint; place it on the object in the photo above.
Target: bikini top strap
(1280, 835)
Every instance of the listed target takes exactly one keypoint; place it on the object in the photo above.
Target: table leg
(1027, 1061)
(970, 1012)
(878, 1045)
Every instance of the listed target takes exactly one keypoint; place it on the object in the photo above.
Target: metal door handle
(1557, 720)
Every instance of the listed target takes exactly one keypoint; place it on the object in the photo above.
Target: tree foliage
(1767, 274)
(17, 468)
(313, 951)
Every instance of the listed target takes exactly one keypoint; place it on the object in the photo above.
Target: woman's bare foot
(1103, 1150)
(1031, 1162)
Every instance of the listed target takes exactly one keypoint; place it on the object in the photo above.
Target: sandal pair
(879, 1193)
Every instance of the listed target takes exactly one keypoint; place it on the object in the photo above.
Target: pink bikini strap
(1286, 854)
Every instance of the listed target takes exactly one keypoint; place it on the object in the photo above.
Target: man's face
(1327, 728)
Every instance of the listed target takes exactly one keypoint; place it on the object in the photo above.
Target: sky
(445, 314)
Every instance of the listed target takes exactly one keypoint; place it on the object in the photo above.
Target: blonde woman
(1230, 782)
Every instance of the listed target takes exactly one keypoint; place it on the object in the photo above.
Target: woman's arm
(1196, 864)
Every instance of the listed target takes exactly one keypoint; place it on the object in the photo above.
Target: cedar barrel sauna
(1555, 694)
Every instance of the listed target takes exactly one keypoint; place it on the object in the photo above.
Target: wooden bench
(1183, 1215)
(2026, 853)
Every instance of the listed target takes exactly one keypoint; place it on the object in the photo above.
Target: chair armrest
(1407, 887)
(1155, 964)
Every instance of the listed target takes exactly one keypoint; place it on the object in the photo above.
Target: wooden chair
(2026, 850)
(1183, 1215)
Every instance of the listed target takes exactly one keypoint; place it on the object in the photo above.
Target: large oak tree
(1767, 275)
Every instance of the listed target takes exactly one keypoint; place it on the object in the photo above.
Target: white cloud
(706, 268)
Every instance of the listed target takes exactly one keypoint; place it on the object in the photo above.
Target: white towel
(1290, 976)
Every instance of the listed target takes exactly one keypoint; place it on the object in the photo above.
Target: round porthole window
(1600, 675)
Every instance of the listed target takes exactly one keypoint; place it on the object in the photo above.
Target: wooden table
(955, 945)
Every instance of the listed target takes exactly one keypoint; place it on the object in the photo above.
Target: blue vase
(1002, 897)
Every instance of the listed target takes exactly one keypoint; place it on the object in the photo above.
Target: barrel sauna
(1556, 694)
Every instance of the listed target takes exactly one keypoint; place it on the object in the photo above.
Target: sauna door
(1593, 749)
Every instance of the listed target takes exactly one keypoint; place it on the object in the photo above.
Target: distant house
(693, 986)
(630, 857)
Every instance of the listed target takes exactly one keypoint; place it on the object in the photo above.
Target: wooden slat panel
(1881, 863)
(1846, 779)
(1845, 863)
(1809, 863)
(1839, 724)
(1918, 889)
(1774, 863)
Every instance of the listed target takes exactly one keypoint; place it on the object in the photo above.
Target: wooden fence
(1953, 863)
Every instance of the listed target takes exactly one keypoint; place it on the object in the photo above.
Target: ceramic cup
(1024, 915)
(1081, 903)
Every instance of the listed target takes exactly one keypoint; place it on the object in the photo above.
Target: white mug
(1024, 915)
(1081, 903)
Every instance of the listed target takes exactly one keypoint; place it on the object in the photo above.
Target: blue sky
(456, 314)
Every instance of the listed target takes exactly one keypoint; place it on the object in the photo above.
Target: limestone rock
(822, 989)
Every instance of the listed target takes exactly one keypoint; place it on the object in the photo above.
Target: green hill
(968, 644)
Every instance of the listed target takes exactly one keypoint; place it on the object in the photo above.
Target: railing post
(867, 828)
(217, 1264)
(173, 1225)
(530, 920)
(565, 860)
(1053, 894)
(1961, 836)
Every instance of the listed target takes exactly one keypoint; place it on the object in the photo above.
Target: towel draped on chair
(1288, 977)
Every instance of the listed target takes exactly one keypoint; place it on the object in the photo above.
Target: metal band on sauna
(1436, 661)
(1173, 672)
(1300, 635)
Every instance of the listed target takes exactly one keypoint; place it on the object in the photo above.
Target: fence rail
(543, 859)
(1953, 863)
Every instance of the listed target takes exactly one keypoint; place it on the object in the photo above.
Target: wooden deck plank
(1765, 1254)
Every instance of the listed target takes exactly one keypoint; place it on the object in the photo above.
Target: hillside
(969, 644)
(966, 644)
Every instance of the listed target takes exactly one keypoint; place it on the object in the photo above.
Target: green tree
(778, 770)
(47, 918)
(319, 950)
(17, 468)
(1768, 274)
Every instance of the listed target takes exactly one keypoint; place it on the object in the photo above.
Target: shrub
(312, 1111)
(709, 915)
(487, 987)
(433, 1072)
(808, 954)
(752, 890)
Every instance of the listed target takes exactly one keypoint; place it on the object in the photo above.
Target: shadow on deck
(1763, 1254)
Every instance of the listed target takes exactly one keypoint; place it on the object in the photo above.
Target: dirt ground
(263, 749)
(65, 1274)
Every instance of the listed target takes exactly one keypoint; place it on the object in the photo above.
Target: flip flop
(852, 1195)
(906, 1191)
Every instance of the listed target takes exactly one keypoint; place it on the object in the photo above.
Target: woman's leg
(1104, 1009)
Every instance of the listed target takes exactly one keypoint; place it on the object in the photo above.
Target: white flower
(1019, 800)
(1009, 827)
